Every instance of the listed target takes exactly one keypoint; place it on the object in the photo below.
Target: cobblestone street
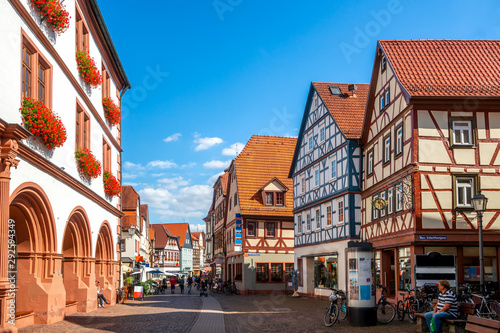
(190, 313)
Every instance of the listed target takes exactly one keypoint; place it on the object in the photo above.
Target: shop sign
(432, 237)
(254, 254)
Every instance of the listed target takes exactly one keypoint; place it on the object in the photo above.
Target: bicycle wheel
(411, 312)
(343, 310)
(385, 313)
(401, 310)
(331, 315)
(494, 307)
(227, 291)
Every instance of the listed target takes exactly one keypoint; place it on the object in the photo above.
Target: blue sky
(207, 75)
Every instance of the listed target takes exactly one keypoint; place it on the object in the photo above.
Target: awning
(320, 254)
(127, 269)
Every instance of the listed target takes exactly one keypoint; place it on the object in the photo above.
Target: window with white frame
(340, 205)
(462, 132)
(333, 166)
(316, 177)
(318, 219)
(303, 183)
(464, 189)
(398, 147)
(322, 134)
(308, 222)
(390, 201)
(370, 162)
(299, 223)
(310, 147)
(399, 197)
(382, 211)
(374, 210)
(387, 149)
(384, 99)
(329, 215)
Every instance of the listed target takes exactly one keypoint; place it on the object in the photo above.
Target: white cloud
(233, 150)
(130, 165)
(198, 227)
(162, 164)
(156, 175)
(212, 179)
(173, 183)
(215, 164)
(173, 137)
(131, 184)
(205, 143)
(127, 175)
(188, 165)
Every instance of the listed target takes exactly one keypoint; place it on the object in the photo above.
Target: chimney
(353, 88)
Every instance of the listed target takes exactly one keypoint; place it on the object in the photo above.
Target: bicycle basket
(332, 297)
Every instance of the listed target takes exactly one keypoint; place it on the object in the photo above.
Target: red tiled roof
(223, 178)
(152, 234)
(177, 229)
(445, 67)
(262, 159)
(161, 236)
(145, 211)
(129, 198)
(347, 110)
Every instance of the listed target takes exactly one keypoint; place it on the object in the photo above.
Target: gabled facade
(259, 219)
(431, 138)
(145, 249)
(209, 222)
(182, 231)
(167, 255)
(133, 236)
(198, 252)
(326, 184)
(66, 227)
(219, 204)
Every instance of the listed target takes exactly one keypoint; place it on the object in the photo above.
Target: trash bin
(360, 284)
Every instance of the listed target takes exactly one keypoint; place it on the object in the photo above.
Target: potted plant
(111, 185)
(88, 69)
(128, 280)
(43, 123)
(87, 164)
(54, 12)
(111, 111)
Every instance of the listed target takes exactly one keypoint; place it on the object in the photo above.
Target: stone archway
(39, 281)
(78, 264)
(106, 269)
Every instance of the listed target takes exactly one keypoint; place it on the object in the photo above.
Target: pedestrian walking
(172, 281)
(446, 307)
(181, 284)
(190, 284)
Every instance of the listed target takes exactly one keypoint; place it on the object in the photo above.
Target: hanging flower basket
(54, 13)
(88, 69)
(43, 123)
(111, 185)
(111, 111)
(88, 165)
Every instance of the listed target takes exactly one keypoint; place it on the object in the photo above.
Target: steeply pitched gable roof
(178, 229)
(161, 238)
(262, 159)
(129, 198)
(445, 67)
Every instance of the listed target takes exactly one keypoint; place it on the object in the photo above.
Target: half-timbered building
(326, 183)
(167, 255)
(431, 140)
(218, 226)
(259, 218)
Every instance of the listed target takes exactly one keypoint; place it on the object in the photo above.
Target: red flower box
(111, 185)
(88, 69)
(54, 12)
(43, 123)
(111, 111)
(88, 165)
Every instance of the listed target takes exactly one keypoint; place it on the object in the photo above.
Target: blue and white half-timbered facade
(326, 184)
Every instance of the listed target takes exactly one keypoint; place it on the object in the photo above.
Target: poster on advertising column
(365, 278)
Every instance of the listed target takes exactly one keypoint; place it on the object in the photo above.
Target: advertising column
(360, 284)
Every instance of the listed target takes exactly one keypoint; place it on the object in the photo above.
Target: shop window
(378, 279)
(276, 272)
(262, 272)
(288, 272)
(250, 229)
(270, 229)
(472, 266)
(398, 146)
(325, 272)
(404, 268)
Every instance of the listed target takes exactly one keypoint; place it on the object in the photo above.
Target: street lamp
(479, 201)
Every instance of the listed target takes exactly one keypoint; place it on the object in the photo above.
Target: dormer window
(273, 193)
(274, 198)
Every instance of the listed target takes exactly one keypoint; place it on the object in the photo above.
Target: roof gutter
(107, 37)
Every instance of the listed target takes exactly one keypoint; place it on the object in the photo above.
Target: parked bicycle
(342, 304)
(332, 312)
(408, 305)
(385, 310)
(488, 308)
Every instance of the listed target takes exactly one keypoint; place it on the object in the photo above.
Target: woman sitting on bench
(446, 307)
